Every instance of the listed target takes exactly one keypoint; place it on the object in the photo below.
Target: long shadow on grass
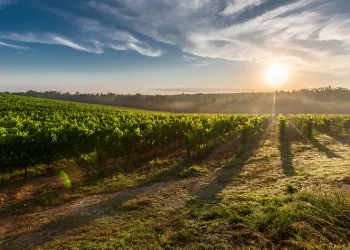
(322, 148)
(293, 134)
(227, 173)
(96, 175)
(286, 155)
(342, 138)
(80, 216)
(86, 214)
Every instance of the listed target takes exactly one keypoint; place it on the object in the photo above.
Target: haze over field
(156, 46)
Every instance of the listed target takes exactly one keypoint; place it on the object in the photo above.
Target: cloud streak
(13, 46)
(240, 5)
(195, 61)
(91, 36)
(116, 39)
(310, 35)
(200, 64)
(48, 39)
(65, 42)
(293, 32)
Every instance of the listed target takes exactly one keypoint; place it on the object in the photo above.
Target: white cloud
(144, 50)
(116, 39)
(51, 39)
(188, 58)
(162, 20)
(337, 28)
(307, 34)
(264, 30)
(65, 42)
(134, 47)
(240, 5)
(13, 46)
(200, 64)
(95, 38)
(195, 61)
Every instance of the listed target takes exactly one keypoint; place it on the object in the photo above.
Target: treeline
(319, 100)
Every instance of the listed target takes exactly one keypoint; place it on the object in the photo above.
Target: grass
(219, 202)
(192, 171)
(136, 204)
(314, 216)
(134, 234)
(33, 172)
(113, 184)
(64, 187)
(291, 189)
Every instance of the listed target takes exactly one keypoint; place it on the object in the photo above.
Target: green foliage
(113, 184)
(282, 126)
(291, 189)
(250, 129)
(192, 171)
(37, 131)
(65, 179)
(323, 123)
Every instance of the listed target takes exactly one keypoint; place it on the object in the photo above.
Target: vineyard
(129, 179)
(38, 131)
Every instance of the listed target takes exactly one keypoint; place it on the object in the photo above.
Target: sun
(277, 75)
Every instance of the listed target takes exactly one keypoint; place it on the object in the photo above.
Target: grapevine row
(322, 123)
(38, 131)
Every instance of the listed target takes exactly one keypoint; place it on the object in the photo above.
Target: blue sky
(129, 46)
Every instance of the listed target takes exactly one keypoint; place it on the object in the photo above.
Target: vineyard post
(188, 147)
(309, 128)
(99, 152)
(282, 123)
(2, 169)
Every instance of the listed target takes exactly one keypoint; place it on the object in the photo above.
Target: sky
(168, 46)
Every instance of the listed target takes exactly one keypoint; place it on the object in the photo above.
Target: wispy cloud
(91, 36)
(113, 38)
(106, 36)
(240, 5)
(305, 34)
(195, 61)
(200, 64)
(13, 46)
(50, 39)
(188, 58)
(65, 42)
(293, 32)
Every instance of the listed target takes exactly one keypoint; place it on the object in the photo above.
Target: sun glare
(277, 75)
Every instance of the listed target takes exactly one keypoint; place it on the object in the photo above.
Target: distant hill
(319, 100)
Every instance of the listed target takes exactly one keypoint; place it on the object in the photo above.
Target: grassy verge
(313, 218)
